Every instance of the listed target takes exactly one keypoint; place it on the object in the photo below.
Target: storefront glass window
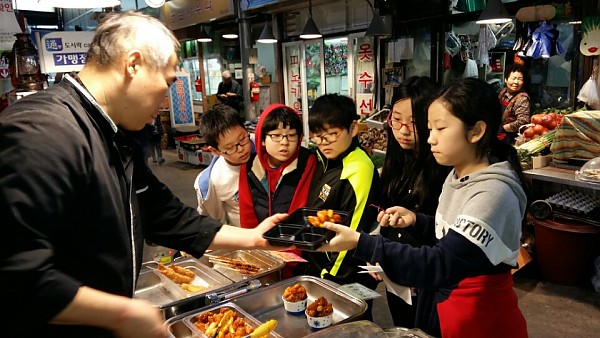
(312, 61)
(336, 65)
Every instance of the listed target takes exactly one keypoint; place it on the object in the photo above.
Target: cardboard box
(265, 79)
(211, 100)
(196, 157)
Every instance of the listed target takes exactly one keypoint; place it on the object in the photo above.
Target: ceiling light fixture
(80, 3)
(155, 3)
(494, 12)
(230, 35)
(377, 26)
(267, 34)
(204, 37)
(310, 30)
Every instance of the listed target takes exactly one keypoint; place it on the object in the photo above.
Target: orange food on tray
(176, 273)
(319, 308)
(325, 215)
(295, 293)
(234, 327)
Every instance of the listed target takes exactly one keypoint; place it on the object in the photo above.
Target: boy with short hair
(277, 178)
(217, 185)
(345, 179)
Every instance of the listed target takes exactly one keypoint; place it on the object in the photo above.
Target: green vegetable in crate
(536, 145)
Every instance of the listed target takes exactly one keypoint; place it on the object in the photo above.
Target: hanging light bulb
(377, 26)
(80, 3)
(310, 30)
(494, 12)
(230, 35)
(267, 34)
(155, 3)
(204, 37)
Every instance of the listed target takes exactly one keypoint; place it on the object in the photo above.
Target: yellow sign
(195, 12)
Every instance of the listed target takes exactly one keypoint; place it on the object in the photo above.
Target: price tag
(359, 291)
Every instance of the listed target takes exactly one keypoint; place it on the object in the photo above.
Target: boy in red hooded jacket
(277, 178)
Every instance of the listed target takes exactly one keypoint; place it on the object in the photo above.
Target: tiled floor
(550, 310)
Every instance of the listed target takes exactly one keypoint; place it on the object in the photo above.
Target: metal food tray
(267, 263)
(224, 283)
(161, 291)
(266, 303)
(175, 329)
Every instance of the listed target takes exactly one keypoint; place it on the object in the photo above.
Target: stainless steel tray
(166, 294)
(183, 326)
(267, 263)
(172, 301)
(266, 303)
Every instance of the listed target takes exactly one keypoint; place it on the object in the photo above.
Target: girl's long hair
(412, 178)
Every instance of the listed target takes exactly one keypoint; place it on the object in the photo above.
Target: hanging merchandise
(589, 91)
(545, 42)
(487, 40)
(590, 42)
(452, 43)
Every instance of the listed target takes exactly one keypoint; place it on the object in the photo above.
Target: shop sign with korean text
(364, 73)
(180, 101)
(195, 12)
(8, 25)
(63, 52)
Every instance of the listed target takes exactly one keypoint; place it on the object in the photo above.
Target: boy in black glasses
(346, 179)
(217, 185)
(277, 178)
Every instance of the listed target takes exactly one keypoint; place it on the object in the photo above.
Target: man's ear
(476, 133)
(134, 61)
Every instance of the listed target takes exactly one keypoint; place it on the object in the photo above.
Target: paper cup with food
(319, 314)
(294, 299)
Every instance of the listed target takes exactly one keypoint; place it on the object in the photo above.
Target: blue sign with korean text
(180, 100)
(54, 45)
(66, 59)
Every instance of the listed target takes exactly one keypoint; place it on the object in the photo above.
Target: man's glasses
(397, 124)
(234, 148)
(279, 137)
(328, 137)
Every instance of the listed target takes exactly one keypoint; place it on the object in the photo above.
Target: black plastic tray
(296, 230)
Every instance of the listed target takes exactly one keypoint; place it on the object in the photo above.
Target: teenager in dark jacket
(410, 176)
(346, 180)
(77, 200)
(277, 178)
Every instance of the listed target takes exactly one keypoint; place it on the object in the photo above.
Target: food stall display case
(212, 282)
(266, 304)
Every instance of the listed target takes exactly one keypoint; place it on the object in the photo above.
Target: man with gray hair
(77, 200)
(230, 92)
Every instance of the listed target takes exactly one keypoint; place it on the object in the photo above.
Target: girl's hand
(397, 217)
(375, 275)
(345, 238)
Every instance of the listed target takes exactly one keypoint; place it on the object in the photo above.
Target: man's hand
(397, 217)
(231, 94)
(345, 239)
(265, 226)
